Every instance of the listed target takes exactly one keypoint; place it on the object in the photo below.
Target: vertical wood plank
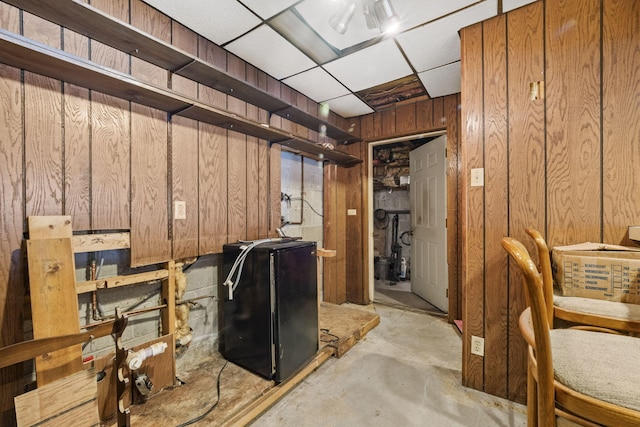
(330, 237)
(495, 167)
(406, 119)
(110, 132)
(388, 122)
(150, 242)
(275, 185)
(77, 160)
(184, 156)
(356, 287)
(472, 203)
(263, 192)
(527, 197)
(366, 126)
(424, 114)
(621, 113)
(237, 171)
(12, 288)
(439, 119)
(157, 24)
(572, 40)
(453, 163)
(212, 168)
(43, 128)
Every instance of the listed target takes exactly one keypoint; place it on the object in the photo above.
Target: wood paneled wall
(347, 275)
(565, 163)
(116, 165)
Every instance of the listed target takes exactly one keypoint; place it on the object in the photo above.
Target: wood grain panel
(236, 68)
(621, 113)
(572, 40)
(453, 163)
(12, 288)
(472, 203)
(275, 185)
(77, 135)
(388, 122)
(439, 118)
(263, 192)
(527, 201)
(237, 187)
(341, 233)
(366, 126)
(110, 162)
(158, 25)
(253, 188)
(212, 171)
(217, 56)
(424, 114)
(273, 88)
(110, 150)
(288, 95)
(43, 129)
(406, 119)
(150, 242)
(355, 289)
(330, 237)
(184, 159)
(496, 204)
(106, 55)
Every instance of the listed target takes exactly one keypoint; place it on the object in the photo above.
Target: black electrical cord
(333, 340)
(409, 233)
(195, 420)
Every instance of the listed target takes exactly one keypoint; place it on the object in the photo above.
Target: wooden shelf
(38, 58)
(91, 22)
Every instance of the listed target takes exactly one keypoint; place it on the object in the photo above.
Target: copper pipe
(127, 313)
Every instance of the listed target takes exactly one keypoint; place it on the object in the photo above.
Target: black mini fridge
(270, 324)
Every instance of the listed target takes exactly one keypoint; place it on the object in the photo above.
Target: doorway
(400, 271)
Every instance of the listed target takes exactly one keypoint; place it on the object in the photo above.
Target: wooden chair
(589, 378)
(614, 315)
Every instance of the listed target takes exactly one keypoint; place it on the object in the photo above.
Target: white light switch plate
(351, 212)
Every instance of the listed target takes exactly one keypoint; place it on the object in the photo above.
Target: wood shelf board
(218, 79)
(94, 23)
(32, 56)
(320, 152)
(38, 58)
(91, 22)
(312, 122)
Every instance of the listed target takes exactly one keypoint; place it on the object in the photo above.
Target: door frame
(370, 225)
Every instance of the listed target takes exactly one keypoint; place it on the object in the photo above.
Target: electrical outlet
(477, 177)
(477, 345)
(180, 210)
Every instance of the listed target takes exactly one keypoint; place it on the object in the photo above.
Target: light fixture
(340, 19)
(377, 14)
(388, 19)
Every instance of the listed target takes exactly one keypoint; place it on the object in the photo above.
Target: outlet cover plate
(477, 177)
(477, 345)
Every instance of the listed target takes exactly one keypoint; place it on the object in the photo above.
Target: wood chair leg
(532, 397)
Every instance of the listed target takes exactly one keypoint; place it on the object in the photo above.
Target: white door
(428, 192)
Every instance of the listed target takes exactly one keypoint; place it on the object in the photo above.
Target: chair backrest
(539, 319)
(544, 261)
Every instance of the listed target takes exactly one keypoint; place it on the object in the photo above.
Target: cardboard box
(597, 270)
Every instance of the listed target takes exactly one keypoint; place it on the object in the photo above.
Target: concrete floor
(405, 372)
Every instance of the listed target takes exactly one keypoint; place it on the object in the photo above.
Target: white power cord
(239, 263)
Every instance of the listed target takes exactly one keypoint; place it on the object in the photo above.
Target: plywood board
(345, 326)
(52, 284)
(496, 203)
(237, 187)
(49, 227)
(526, 166)
(69, 401)
(573, 107)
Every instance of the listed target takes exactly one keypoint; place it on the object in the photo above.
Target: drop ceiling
(354, 73)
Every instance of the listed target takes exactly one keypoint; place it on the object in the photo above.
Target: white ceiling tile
(317, 84)
(270, 52)
(348, 106)
(266, 9)
(508, 5)
(438, 43)
(370, 67)
(442, 81)
(201, 16)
